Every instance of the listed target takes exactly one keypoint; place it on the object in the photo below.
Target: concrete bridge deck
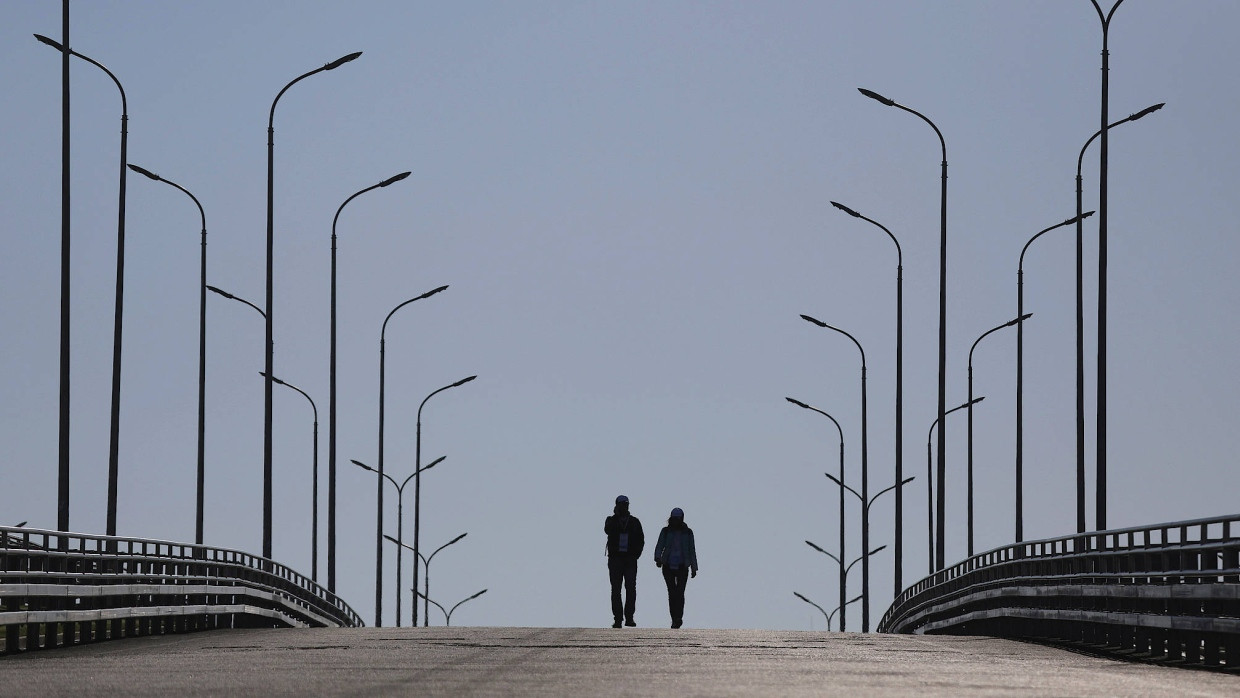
(585, 662)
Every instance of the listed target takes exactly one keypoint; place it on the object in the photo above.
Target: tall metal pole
(379, 494)
(331, 409)
(930, 512)
(417, 492)
(1101, 478)
(843, 577)
(119, 303)
(1020, 373)
(270, 343)
(970, 404)
(899, 522)
(202, 350)
(942, 392)
(1080, 323)
(314, 477)
(865, 480)
(62, 497)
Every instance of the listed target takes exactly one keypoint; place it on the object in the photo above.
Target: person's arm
(637, 538)
(659, 547)
(693, 563)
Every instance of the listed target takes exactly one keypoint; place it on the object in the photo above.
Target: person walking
(625, 542)
(677, 555)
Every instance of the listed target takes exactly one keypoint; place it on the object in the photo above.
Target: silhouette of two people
(675, 553)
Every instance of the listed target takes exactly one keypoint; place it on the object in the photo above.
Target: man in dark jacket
(625, 541)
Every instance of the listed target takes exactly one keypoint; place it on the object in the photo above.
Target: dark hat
(622, 500)
(678, 513)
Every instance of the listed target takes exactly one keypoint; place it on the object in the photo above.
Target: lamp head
(428, 294)
(433, 463)
(463, 381)
(876, 96)
(143, 171)
(816, 321)
(845, 209)
(1147, 110)
(225, 294)
(273, 378)
(797, 402)
(362, 465)
(391, 180)
(50, 42)
(814, 546)
(341, 61)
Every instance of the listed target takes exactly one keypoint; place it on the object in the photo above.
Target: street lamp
(865, 505)
(930, 557)
(970, 469)
(426, 561)
(865, 478)
(119, 305)
(831, 615)
(1101, 482)
(417, 490)
(202, 348)
(942, 397)
(379, 483)
(447, 614)
(844, 575)
(1080, 326)
(798, 403)
(1020, 372)
(314, 478)
(899, 523)
(269, 369)
(400, 520)
(331, 408)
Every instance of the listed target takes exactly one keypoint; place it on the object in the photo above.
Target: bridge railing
(63, 588)
(1169, 591)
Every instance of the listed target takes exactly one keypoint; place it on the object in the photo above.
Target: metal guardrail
(1169, 592)
(67, 588)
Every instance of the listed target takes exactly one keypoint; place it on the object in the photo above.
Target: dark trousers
(676, 580)
(623, 569)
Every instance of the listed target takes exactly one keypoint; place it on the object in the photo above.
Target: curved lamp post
(800, 404)
(847, 568)
(379, 486)
(970, 404)
(930, 518)
(942, 393)
(1080, 319)
(899, 522)
(119, 306)
(426, 561)
(331, 407)
(202, 348)
(865, 506)
(865, 478)
(1020, 372)
(314, 478)
(447, 614)
(417, 492)
(269, 369)
(400, 519)
(831, 615)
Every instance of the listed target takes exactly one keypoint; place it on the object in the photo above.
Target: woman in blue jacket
(677, 555)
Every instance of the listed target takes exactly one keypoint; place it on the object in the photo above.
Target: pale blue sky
(630, 202)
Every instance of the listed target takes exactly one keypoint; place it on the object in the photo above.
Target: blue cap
(622, 500)
(678, 513)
